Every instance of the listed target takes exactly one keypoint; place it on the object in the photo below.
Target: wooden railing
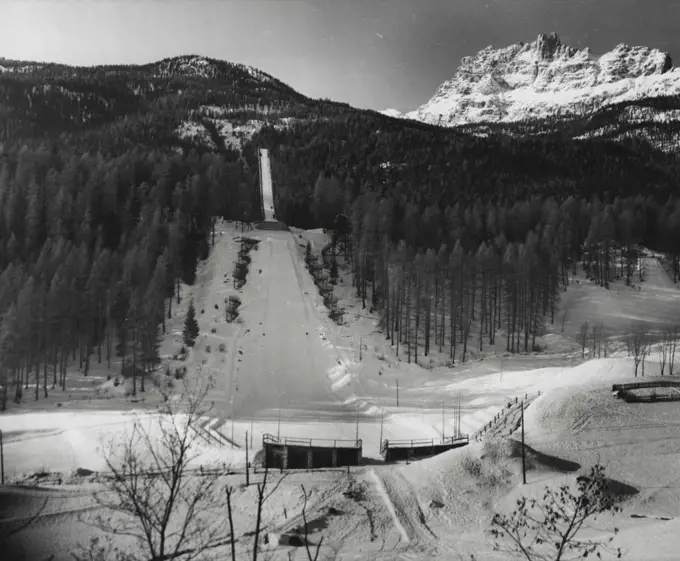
(423, 442)
(319, 442)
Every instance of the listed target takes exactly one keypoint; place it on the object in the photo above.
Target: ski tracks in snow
(417, 540)
(383, 494)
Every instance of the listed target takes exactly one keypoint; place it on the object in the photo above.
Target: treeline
(454, 280)
(454, 235)
(440, 167)
(92, 251)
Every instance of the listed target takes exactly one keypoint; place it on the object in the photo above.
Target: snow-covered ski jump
(267, 192)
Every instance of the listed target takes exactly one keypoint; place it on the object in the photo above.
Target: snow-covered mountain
(392, 113)
(546, 78)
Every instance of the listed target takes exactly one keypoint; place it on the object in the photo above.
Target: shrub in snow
(222, 347)
(207, 348)
(552, 522)
(472, 466)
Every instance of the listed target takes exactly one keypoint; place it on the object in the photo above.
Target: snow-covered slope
(392, 113)
(546, 78)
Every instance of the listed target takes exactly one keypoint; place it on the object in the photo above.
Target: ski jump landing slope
(283, 356)
(266, 184)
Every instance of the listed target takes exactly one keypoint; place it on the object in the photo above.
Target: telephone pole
(443, 425)
(2, 461)
(357, 439)
(524, 465)
(247, 462)
(278, 426)
(382, 420)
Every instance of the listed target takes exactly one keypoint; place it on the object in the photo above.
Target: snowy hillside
(546, 78)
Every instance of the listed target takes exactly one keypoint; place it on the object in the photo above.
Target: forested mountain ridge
(38, 99)
(106, 202)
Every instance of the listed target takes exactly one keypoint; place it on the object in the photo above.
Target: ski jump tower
(267, 193)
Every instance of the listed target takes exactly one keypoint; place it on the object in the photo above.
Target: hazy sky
(370, 53)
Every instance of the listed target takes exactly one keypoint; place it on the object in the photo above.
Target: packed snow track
(283, 356)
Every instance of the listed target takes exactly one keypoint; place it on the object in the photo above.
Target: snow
(267, 188)
(235, 135)
(517, 82)
(194, 131)
(388, 503)
(392, 113)
(64, 441)
(288, 369)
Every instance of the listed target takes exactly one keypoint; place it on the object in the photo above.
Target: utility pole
(251, 433)
(443, 426)
(397, 392)
(524, 466)
(278, 427)
(382, 420)
(2, 461)
(357, 439)
(247, 462)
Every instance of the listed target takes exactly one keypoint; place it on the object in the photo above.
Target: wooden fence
(395, 450)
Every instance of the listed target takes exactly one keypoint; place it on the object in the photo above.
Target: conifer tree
(190, 332)
(334, 270)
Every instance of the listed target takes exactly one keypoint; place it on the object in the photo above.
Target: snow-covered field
(286, 368)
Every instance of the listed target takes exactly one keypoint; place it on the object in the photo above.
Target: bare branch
(537, 527)
(304, 519)
(169, 512)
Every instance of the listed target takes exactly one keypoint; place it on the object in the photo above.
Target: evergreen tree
(190, 332)
(9, 356)
(334, 270)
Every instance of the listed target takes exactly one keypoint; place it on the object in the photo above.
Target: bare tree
(673, 343)
(312, 556)
(547, 529)
(153, 497)
(600, 339)
(232, 536)
(262, 496)
(637, 345)
(662, 349)
(597, 337)
(583, 338)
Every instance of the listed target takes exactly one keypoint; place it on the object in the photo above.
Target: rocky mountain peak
(547, 76)
(546, 45)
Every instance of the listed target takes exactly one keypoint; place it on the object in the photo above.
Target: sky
(373, 54)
